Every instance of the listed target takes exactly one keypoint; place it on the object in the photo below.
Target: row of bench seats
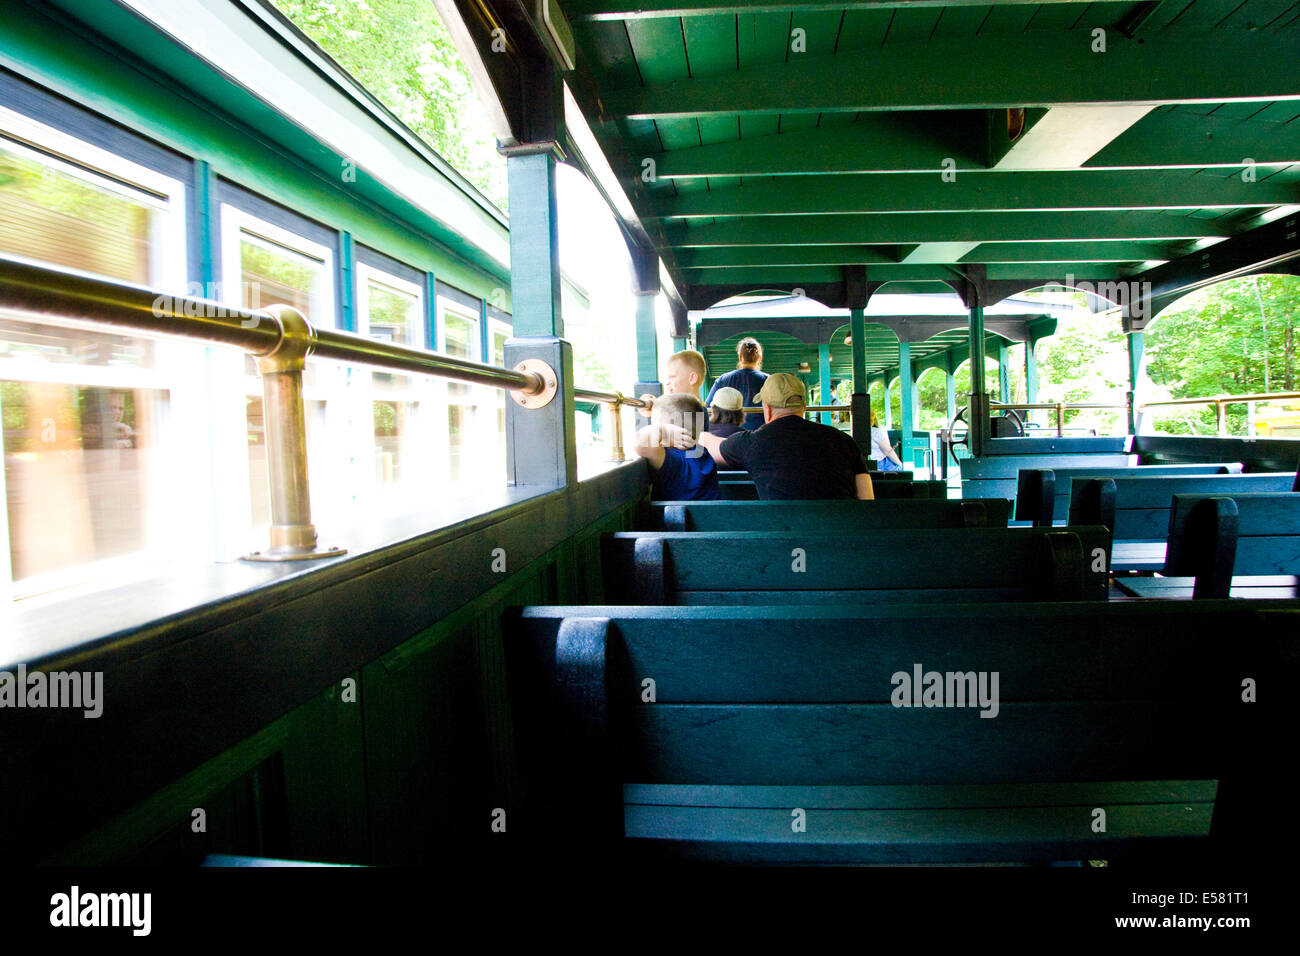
(897, 681)
(743, 489)
(796, 734)
(1150, 533)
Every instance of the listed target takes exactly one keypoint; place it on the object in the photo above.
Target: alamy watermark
(922, 688)
(1133, 297)
(208, 302)
(76, 690)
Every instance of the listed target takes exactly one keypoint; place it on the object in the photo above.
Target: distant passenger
(684, 372)
(881, 450)
(725, 413)
(680, 474)
(791, 457)
(746, 379)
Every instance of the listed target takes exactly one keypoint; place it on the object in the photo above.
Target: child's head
(726, 407)
(684, 372)
(681, 409)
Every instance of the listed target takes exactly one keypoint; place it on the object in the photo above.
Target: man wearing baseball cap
(790, 457)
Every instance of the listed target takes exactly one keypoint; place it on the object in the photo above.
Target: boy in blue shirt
(679, 474)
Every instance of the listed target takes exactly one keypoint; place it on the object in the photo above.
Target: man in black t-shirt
(789, 456)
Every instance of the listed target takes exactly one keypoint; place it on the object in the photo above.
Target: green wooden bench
(834, 517)
(744, 489)
(1246, 545)
(1137, 509)
(995, 476)
(1041, 492)
(889, 566)
(773, 734)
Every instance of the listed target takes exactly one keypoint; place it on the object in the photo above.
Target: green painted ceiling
(773, 145)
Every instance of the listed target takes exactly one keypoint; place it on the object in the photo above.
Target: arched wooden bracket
(547, 384)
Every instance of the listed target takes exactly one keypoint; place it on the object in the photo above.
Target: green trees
(1238, 337)
(400, 51)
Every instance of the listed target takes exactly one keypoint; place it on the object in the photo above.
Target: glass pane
(270, 274)
(52, 216)
(459, 336)
(78, 466)
(394, 427)
(394, 316)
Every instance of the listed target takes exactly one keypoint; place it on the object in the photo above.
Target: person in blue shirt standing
(680, 474)
(747, 379)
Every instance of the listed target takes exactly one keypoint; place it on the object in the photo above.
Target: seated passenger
(881, 450)
(790, 456)
(683, 373)
(725, 415)
(686, 473)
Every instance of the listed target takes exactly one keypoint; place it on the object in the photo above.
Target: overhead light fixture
(805, 367)
(848, 340)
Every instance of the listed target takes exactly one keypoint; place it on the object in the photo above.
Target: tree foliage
(401, 52)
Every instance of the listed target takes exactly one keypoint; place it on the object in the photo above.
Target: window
(94, 458)
(391, 309)
(498, 334)
(459, 334)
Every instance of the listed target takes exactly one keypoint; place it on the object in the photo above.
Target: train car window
(90, 439)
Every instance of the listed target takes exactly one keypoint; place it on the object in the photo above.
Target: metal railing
(281, 340)
(1060, 408)
(1220, 402)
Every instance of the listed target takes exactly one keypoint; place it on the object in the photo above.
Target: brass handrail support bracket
(545, 383)
(293, 536)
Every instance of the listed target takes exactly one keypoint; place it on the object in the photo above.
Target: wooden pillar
(1136, 343)
(1031, 375)
(950, 388)
(978, 413)
(1004, 373)
(861, 407)
(824, 362)
(541, 447)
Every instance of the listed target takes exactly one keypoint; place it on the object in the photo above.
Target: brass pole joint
(297, 340)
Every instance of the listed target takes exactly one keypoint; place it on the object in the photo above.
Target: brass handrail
(1220, 403)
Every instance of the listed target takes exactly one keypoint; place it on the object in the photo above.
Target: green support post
(824, 363)
(1031, 375)
(1004, 373)
(1136, 343)
(950, 388)
(541, 448)
(977, 415)
(861, 403)
(907, 397)
(647, 346)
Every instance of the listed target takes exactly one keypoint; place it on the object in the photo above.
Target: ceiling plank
(979, 192)
(1043, 69)
(941, 227)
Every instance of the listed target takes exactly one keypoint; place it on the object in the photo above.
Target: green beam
(646, 9)
(1031, 371)
(744, 256)
(788, 277)
(1106, 251)
(1040, 68)
(876, 143)
(1192, 139)
(922, 141)
(1060, 226)
(992, 191)
(906, 398)
(950, 390)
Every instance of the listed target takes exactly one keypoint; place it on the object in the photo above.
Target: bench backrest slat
(1142, 504)
(1017, 563)
(1040, 488)
(837, 517)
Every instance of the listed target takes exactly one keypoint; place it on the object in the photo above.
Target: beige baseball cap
(729, 399)
(782, 390)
